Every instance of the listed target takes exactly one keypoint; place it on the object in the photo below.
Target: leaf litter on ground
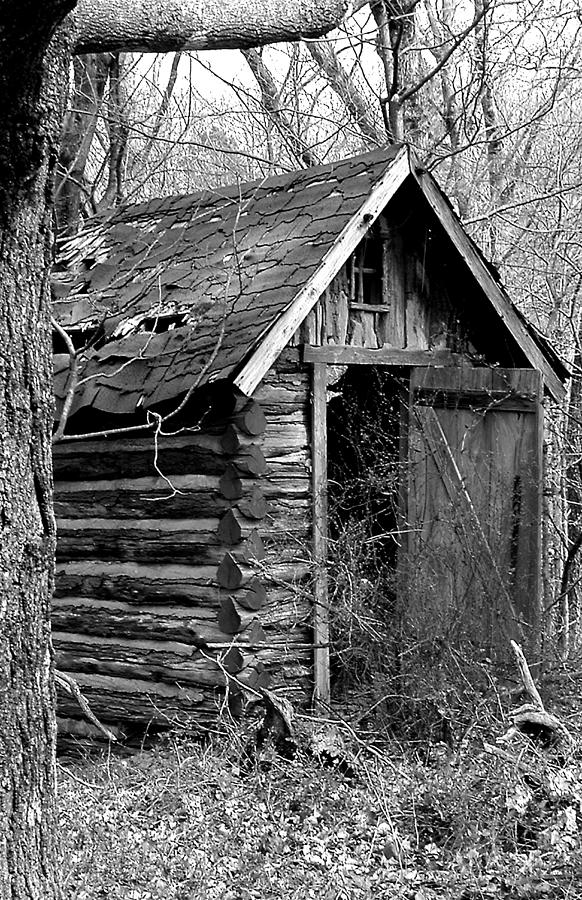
(187, 820)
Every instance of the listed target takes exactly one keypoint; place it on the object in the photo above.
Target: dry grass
(184, 821)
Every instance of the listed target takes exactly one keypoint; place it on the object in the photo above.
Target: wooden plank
(536, 586)
(281, 332)
(371, 307)
(395, 286)
(484, 521)
(454, 484)
(498, 400)
(493, 291)
(319, 476)
(385, 356)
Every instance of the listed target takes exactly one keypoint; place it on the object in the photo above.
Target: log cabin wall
(284, 396)
(159, 573)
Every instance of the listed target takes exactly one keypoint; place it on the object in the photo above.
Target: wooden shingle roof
(189, 289)
(219, 266)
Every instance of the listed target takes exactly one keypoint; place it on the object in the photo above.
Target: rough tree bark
(33, 76)
(164, 25)
(34, 67)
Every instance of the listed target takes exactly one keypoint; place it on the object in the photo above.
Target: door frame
(319, 358)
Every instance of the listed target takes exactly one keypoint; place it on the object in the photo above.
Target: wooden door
(472, 567)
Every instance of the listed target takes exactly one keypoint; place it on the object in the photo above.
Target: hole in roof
(160, 324)
(80, 338)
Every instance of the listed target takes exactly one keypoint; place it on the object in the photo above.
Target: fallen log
(532, 719)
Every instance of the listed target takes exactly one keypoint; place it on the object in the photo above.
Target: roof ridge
(209, 196)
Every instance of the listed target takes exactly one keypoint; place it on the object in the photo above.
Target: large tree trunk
(32, 88)
(34, 71)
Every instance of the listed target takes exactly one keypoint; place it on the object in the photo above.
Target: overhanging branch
(171, 25)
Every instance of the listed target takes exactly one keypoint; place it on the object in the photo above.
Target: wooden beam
(335, 355)
(319, 481)
(492, 289)
(280, 333)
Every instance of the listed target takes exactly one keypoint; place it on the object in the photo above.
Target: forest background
(487, 95)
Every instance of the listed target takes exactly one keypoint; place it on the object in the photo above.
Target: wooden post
(319, 476)
(535, 643)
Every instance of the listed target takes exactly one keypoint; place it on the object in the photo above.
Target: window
(366, 275)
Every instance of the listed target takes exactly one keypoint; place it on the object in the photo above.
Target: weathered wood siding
(159, 574)
(475, 505)
(405, 288)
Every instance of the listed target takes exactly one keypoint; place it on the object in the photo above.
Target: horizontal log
(176, 455)
(159, 662)
(288, 517)
(277, 485)
(161, 584)
(89, 463)
(108, 618)
(120, 702)
(287, 393)
(337, 355)
(78, 616)
(100, 657)
(164, 540)
(195, 627)
(151, 497)
(283, 433)
(185, 440)
(134, 700)
(278, 498)
(290, 463)
(137, 582)
(81, 729)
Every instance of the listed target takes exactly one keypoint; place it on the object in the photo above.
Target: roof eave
(496, 295)
(270, 344)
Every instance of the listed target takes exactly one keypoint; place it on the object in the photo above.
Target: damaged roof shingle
(224, 263)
